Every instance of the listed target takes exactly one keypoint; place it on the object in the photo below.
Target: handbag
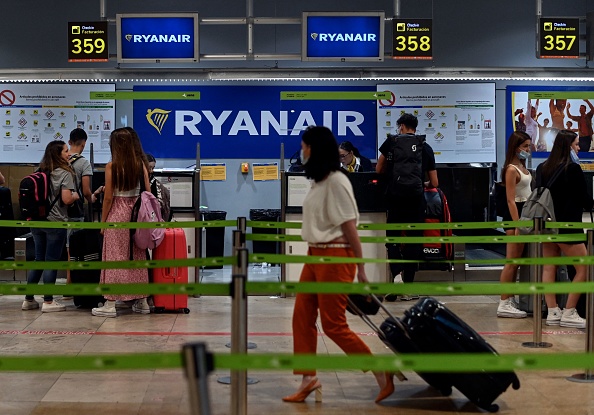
(363, 304)
(498, 193)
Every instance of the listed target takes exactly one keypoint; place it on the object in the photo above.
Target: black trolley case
(86, 245)
(429, 327)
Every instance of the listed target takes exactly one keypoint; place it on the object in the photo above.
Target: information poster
(265, 171)
(33, 115)
(213, 172)
(458, 120)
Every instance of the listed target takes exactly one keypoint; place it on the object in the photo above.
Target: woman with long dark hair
(330, 218)
(570, 198)
(517, 179)
(50, 242)
(123, 175)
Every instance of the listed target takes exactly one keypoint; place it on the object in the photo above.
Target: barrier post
(242, 228)
(198, 363)
(536, 252)
(20, 254)
(239, 332)
(587, 376)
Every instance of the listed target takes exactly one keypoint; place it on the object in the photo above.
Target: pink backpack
(146, 209)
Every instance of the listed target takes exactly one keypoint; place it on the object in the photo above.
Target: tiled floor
(164, 392)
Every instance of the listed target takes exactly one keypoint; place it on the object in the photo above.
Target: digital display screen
(154, 38)
(345, 36)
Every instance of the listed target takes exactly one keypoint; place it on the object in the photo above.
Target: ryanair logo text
(234, 122)
(344, 37)
(158, 38)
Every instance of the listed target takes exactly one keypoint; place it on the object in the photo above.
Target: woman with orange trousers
(330, 218)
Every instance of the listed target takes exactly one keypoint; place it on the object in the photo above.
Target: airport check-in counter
(369, 198)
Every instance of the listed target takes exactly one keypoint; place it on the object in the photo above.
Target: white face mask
(574, 156)
(304, 159)
(523, 155)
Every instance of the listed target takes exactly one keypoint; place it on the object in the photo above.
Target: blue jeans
(48, 247)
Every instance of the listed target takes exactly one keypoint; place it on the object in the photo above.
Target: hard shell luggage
(437, 211)
(173, 247)
(429, 327)
(86, 245)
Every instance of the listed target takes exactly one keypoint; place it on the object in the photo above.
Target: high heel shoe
(300, 396)
(388, 389)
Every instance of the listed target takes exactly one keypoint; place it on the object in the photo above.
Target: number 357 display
(412, 39)
(87, 42)
(559, 38)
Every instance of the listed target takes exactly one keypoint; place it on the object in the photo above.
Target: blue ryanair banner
(252, 121)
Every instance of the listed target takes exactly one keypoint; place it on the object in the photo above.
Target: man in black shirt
(408, 170)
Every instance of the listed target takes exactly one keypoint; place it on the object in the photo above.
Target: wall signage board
(343, 36)
(412, 39)
(33, 115)
(88, 42)
(457, 119)
(250, 121)
(559, 37)
(155, 38)
(542, 111)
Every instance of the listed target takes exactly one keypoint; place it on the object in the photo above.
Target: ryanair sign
(325, 38)
(249, 122)
(146, 38)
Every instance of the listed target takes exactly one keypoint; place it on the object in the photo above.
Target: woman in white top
(517, 179)
(330, 218)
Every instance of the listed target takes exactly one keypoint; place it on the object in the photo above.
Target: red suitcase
(173, 246)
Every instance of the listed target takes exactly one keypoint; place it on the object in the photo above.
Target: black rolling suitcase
(429, 327)
(86, 245)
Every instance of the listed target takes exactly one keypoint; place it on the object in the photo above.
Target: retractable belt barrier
(432, 363)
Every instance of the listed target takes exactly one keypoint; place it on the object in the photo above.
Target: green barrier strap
(443, 363)
(569, 225)
(273, 225)
(117, 225)
(437, 239)
(82, 265)
(115, 289)
(452, 225)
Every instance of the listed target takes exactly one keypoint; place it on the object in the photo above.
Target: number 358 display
(559, 38)
(87, 42)
(412, 39)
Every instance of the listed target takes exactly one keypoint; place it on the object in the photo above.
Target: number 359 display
(87, 42)
(559, 38)
(412, 39)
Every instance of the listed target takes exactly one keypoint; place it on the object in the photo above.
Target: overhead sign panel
(343, 36)
(559, 38)
(155, 38)
(87, 42)
(412, 39)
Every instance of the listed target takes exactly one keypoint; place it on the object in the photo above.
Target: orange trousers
(332, 308)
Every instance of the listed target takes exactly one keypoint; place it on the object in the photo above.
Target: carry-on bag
(429, 327)
(86, 245)
(173, 246)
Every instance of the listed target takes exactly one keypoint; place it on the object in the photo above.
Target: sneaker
(507, 308)
(398, 279)
(108, 310)
(52, 307)
(30, 305)
(122, 304)
(141, 306)
(553, 316)
(571, 318)
(409, 297)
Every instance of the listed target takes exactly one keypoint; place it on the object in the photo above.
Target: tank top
(127, 193)
(523, 186)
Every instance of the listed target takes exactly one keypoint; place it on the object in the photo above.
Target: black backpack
(405, 166)
(34, 196)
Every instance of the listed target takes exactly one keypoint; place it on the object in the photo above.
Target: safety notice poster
(458, 120)
(33, 115)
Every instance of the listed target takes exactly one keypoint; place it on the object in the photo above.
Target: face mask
(304, 159)
(574, 156)
(523, 155)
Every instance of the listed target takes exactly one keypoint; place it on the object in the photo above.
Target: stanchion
(587, 376)
(198, 363)
(239, 332)
(536, 252)
(238, 248)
